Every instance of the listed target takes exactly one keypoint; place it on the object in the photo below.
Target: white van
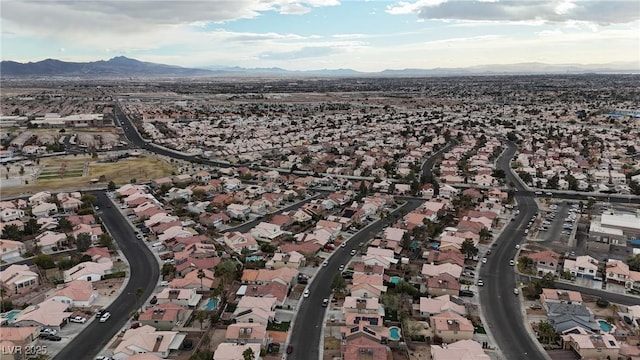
(157, 244)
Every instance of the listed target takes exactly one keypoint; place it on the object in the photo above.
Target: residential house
(50, 241)
(363, 345)
(48, 313)
(545, 261)
(362, 305)
(592, 346)
(618, 272)
(44, 209)
(18, 279)
(238, 211)
(268, 232)
(459, 350)
(560, 296)
(88, 270)
(77, 293)
(164, 316)
(11, 250)
(183, 297)
(564, 316)
(273, 289)
(235, 351)
(451, 327)
(582, 267)
(255, 310)
(39, 198)
(146, 339)
(14, 338)
(10, 214)
(243, 333)
(292, 259)
(201, 279)
(442, 284)
(238, 241)
(431, 306)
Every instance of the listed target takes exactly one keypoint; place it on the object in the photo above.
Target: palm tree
(139, 292)
(201, 276)
(201, 316)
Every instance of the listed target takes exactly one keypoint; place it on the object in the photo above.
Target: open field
(120, 172)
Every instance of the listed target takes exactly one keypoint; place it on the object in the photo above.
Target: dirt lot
(331, 348)
(120, 172)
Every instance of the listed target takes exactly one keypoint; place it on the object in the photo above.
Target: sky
(323, 34)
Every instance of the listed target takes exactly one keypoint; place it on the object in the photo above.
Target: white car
(353, 252)
(484, 260)
(516, 291)
(78, 319)
(306, 293)
(480, 282)
(512, 263)
(105, 317)
(517, 246)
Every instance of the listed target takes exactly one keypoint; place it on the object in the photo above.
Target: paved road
(307, 328)
(144, 273)
(501, 308)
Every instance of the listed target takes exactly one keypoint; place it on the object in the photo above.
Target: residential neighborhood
(378, 218)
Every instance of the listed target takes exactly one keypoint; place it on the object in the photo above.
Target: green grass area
(283, 326)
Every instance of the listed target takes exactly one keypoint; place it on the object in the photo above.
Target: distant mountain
(125, 67)
(115, 67)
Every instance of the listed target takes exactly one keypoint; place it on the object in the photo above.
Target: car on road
(344, 244)
(105, 317)
(78, 319)
(353, 252)
(511, 262)
(341, 267)
(489, 252)
(549, 193)
(484, 260)
(325, 263)
(480, 282)
(305, 293)
(517, 246)
(325, 302)
(516, 291)
(538, 192)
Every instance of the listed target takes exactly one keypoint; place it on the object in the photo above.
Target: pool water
(10, 315)
(394, 333)
(604, 326)
(394, 279)
(211, 304)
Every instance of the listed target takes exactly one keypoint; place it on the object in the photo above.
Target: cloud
(305, 52)
(602, 12)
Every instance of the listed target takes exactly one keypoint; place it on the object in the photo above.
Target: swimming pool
(211, 304)
(9, 316)
(394, 333)
(605, 326)
(395, 279)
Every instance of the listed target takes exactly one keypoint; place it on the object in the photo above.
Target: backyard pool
(394, 279)
(394, 333)
(210, 305)
(9, 316)
(605, 326)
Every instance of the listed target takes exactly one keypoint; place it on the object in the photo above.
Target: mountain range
(125, 67)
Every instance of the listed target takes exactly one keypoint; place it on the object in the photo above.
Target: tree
(469, 249)
(31, 227)
(83, 242)
(12, 232)
(201, 316)
(139, 293)
(111, 186)
(44, 261)
(546, 331)
(634, 263)
(107, 241)
(338, 282)
(88, 200)
(65, 225)
(168, 269)
(201, 276)
(248, 354)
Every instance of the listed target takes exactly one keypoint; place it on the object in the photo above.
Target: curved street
(306, 332)
(144, 272)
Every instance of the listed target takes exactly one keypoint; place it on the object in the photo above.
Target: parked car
(325, 302)
(49, 331)
(289, 349)
(480, 282)
(516, 291)
(353, 252)
(50, 337)
(78, 319)
(306, 293)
